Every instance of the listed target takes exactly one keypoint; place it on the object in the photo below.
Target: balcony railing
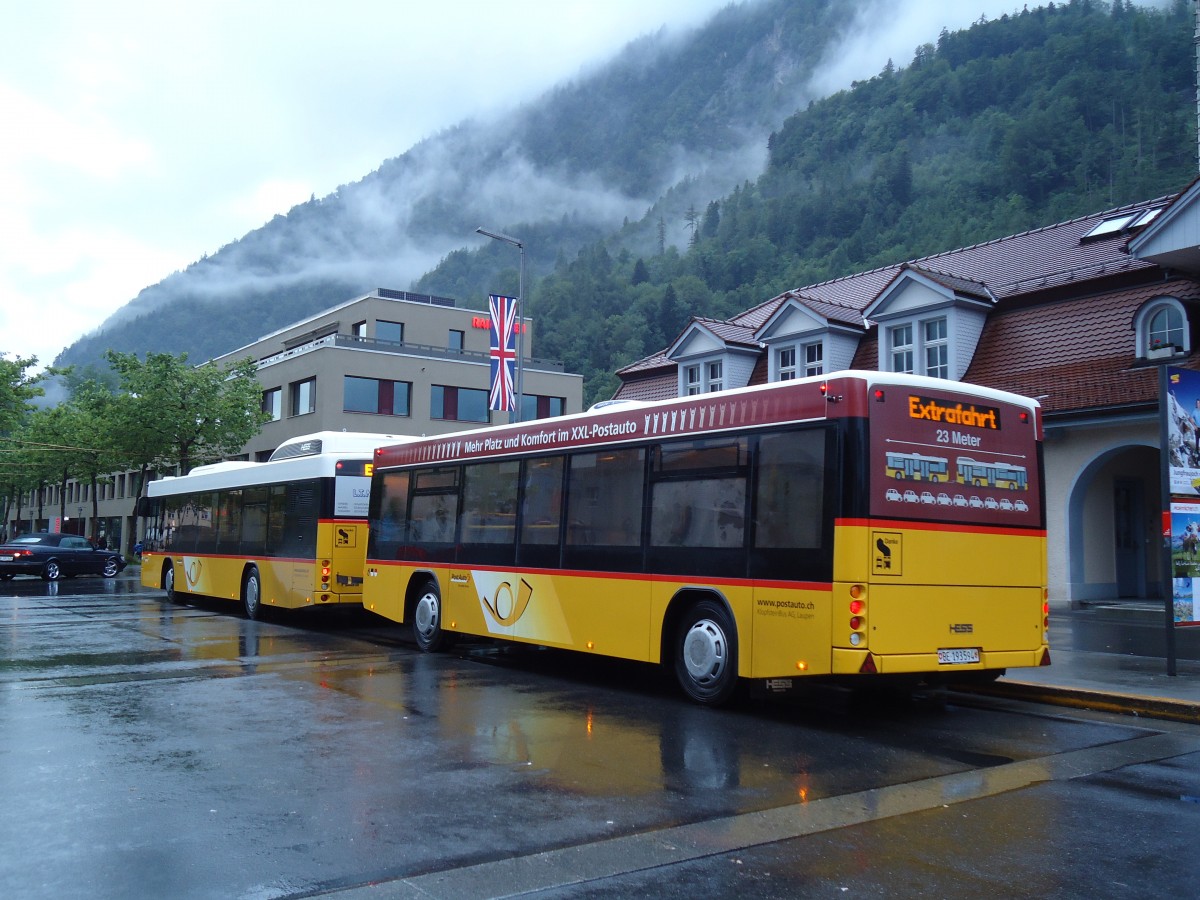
(400, 348)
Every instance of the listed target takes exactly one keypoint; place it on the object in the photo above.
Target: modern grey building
(390, 362)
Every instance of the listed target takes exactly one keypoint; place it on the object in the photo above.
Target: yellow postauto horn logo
(504, 606)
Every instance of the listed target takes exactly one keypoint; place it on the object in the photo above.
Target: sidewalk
(1113, 658)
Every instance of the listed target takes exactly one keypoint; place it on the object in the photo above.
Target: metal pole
(520, 245)
(1164, 480)
(520, 335)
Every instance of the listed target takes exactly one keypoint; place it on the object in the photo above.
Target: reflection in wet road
(159, 750)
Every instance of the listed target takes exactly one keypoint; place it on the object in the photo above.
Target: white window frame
(814, 358)
(901, 348)
(935, 349)
(913, 348)
(714, 375)
(785, 363)
(1178, 336)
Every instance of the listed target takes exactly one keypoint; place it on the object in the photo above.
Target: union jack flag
(504, 354)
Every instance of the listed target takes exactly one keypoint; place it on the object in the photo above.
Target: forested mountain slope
(1008, 125)
(564, 171)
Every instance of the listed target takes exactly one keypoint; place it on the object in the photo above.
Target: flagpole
(520, 245)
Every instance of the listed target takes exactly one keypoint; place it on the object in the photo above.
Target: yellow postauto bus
(757, 533)
(288, 533)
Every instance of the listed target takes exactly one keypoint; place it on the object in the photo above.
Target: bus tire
(427, 618)
(706, 654)
(168, 581)
(252, 593)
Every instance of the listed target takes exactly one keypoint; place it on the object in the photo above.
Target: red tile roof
(1062, 328)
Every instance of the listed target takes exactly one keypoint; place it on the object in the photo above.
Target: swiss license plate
(958, 656)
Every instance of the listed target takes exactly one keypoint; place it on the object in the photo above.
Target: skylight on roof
(1111, 225)
(1147, 217)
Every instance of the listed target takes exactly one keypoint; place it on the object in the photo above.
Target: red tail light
(868, 666)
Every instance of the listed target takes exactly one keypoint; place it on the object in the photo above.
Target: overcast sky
(139, 135)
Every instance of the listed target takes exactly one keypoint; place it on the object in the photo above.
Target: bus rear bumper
(855, 662)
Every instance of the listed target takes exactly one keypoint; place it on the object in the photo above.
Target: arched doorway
(1113, 522)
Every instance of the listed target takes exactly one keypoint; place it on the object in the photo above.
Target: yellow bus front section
(937, 600)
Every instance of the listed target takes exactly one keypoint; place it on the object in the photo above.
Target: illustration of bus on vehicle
(916, 467)
(991, 474)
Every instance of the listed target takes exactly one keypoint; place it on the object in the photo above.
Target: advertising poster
(1183, 431)
(1185, 562)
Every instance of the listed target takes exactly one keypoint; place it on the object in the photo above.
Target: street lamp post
(520, 245)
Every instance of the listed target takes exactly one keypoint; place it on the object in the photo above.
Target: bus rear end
(940, 570)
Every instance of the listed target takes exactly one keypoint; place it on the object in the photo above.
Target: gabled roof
(1076, 358)
(953, 287)
(728, 333)
(1170, 239)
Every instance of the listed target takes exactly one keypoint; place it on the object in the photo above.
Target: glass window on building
(389, 332)
(272, 403)
(536, 406)
(374, 395)
(458, 404)
(304, 397)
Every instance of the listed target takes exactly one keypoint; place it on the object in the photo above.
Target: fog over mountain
(680, 116)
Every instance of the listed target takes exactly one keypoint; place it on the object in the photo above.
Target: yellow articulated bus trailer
(288, 533)
(753, 534)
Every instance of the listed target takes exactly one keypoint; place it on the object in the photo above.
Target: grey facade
(390, 362)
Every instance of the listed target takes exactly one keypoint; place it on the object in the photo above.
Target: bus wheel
(168, 582)
(252, 594)
(427, 619)
(705, 655)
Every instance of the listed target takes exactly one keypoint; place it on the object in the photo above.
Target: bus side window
(791, 490)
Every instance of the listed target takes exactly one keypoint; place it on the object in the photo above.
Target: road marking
(556, 869)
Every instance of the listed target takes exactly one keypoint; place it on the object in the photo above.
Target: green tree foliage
(74, 440)
(17, 389)
(1008, 125)
(171, 414)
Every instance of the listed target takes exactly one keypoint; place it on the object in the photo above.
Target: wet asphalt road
(151, 750)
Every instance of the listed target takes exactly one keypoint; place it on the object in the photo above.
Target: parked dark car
(55, 556)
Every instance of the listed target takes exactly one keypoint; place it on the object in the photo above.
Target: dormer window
(1162, 330)
(787, 363)
(902, 348)
(716, 378)
(814, 359)
(927, 341)
(1166, 327)
(937, 348)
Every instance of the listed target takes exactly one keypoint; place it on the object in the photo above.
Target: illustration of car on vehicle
(1021, 506)
(960, 500)
(1006, 504)
(893, 494)
(927, 497)
(990, 503)
(911, 497)
(975, 502)
(944, 500)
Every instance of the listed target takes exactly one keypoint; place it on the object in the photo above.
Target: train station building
(1080, 315)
